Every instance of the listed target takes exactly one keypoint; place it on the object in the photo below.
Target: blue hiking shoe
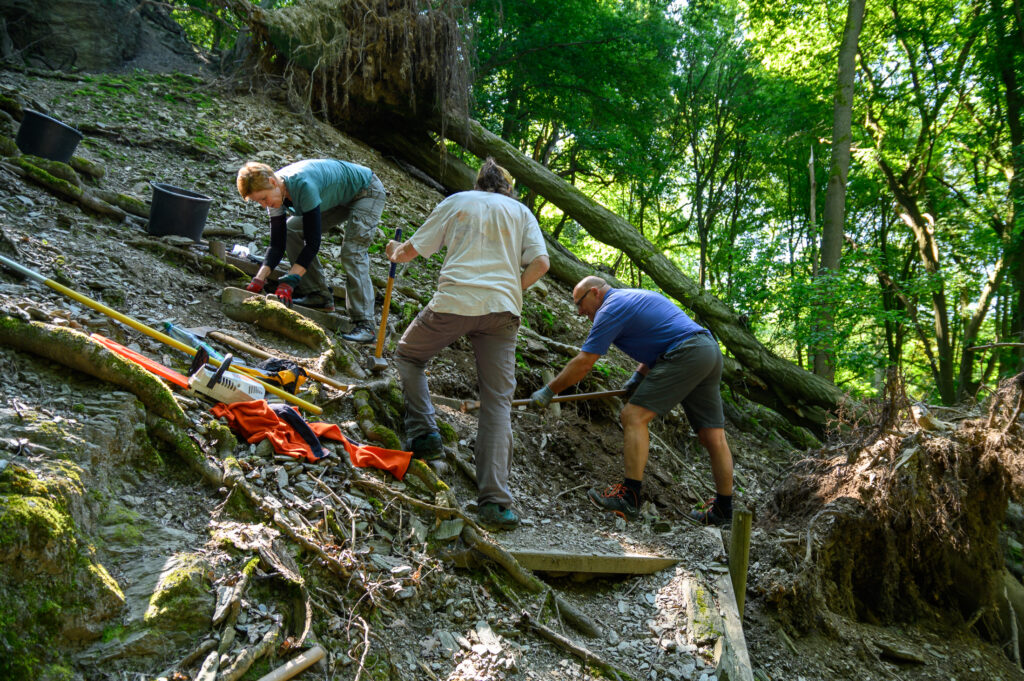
(427, 447)
(496, 517)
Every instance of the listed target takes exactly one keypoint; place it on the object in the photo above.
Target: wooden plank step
(591, 563)
(731, 656)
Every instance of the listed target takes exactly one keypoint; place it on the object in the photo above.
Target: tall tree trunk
(922, 227)
(835, 194)
(1010, 32)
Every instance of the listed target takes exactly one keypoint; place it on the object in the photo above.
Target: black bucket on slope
(177, 212)
(41, 135)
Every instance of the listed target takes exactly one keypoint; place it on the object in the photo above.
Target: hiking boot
(496, 517)
(710, 514)
(361, 333)
(427, 447)
(318, 300)
(618, 499)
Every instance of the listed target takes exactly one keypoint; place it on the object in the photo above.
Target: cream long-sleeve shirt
(490, 239)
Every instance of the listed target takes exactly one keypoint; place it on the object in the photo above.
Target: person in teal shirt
(305, 199)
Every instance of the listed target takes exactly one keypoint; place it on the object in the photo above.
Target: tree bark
(835, 194)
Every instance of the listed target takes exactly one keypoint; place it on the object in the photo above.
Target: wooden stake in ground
(739, 555)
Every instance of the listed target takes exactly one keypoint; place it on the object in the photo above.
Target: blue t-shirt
(643, 324)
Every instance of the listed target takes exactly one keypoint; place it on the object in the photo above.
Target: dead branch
(527, 623)
(250, 655)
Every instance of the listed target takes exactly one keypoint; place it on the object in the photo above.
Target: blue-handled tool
(379, 364)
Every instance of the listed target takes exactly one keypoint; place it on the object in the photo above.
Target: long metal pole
(470, 405)
(152, 333)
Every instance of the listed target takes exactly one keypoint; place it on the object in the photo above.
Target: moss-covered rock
(52, 590)
(448, 433)
(12, 106)
(181, 605)
(8, 147)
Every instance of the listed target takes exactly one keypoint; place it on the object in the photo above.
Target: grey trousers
(359, 219)
(494, 343)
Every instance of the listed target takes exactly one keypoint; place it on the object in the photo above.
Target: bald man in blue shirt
(679, 362)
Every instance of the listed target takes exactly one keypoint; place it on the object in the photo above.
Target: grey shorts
(691, 373)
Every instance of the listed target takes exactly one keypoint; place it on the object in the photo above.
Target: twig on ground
(366, 649)
(242, 663)
(527, 623)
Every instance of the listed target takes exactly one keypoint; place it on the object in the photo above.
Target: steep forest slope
(140, 539)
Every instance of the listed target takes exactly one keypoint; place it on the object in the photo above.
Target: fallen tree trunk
(805, 399)
(802, 396)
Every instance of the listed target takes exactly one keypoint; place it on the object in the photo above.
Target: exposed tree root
(527, 623)
(906, 525)
(25, 167)
(480, 542)
(242, 663)
(76, 350)
(203, 263)
(272, 315)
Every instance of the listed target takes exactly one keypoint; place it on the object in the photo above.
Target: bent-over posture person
(679, 362)
(491, 237)
(304, 199)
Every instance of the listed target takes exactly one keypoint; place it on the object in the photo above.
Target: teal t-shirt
(322, 182)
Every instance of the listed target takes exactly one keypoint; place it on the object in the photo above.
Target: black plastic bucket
(177, 212)
(47, 137)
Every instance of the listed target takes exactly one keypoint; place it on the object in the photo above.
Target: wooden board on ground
(327, 320)
(731, 656)
(590, 563)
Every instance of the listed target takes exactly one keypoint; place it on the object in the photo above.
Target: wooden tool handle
(295, 665)
(379, 350)
(256, 352)
(470, 405)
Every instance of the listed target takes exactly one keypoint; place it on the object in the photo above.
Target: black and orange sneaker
(618, 499)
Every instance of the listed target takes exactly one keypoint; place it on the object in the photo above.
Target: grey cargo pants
(360, 218)
(494, 343)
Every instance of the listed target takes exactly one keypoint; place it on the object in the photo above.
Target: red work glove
(285, 286)
(256, 285)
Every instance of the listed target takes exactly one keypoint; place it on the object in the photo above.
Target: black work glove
(633, 383)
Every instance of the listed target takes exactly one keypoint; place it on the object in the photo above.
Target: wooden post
(217, 251)
(554, 409)
(739, 555)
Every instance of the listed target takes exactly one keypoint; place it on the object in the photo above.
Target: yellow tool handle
(153, 333)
